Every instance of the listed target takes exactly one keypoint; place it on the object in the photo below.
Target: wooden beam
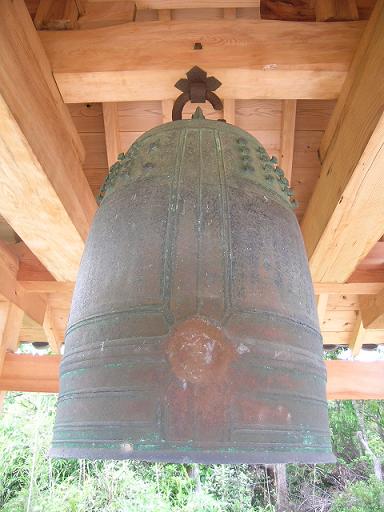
(287, 140)
(11, 290)
(355, 380)
(46, 197)
(106, 13)
(336, 10)
(164, 14)
(358, 336)
(10, 323)
(345, 216)
(11, 318)
(372, 311)
(112, 132)
(166, 110)
(53, 15)
(252, 59)
(50, 329)
(196, 4)
(229, 110)
(24, 372)
(346, 379)
(348, 288)
(47, 286)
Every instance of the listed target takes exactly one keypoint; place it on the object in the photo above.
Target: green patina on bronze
(193, 334)
(253, 162)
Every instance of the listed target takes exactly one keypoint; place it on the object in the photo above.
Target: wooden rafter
(253, 59)
(49, 202)
(345, 216)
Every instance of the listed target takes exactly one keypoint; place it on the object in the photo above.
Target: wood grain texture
(347, 204)
(355, 380)
(336, 10)
(372, 310)
(112, 133)
(48, 200)
(346, 379)
(51, 331)
(106, 13)
(11, 290)
(10, 324)
(358, 336)
(288, 137)
(253, 59)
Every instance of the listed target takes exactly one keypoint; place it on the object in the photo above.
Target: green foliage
(361, 497)
(31, 482)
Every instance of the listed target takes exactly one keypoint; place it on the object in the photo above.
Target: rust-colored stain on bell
(193, 334)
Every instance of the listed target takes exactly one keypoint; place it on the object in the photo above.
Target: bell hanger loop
(196, 88)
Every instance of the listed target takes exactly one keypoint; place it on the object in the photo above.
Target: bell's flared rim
(195, 456)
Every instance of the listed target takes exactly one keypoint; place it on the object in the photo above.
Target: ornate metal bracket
(196, 88)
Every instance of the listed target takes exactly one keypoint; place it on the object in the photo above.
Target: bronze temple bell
(193, 334)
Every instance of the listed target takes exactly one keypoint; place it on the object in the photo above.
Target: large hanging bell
(193, 334)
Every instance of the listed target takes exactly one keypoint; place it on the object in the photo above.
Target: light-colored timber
(49, 202)
(345, 216)
(252, 59)
(346, 379)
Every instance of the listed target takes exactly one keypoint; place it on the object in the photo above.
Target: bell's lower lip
(198, 456)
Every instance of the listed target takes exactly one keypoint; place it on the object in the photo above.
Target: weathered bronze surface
(193, 334)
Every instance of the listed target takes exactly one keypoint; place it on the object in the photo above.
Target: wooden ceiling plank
(345, 216)
(287, 143)
(252, 58)
(11, 290)
(49, 202)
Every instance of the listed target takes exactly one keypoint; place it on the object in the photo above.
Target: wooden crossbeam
(372, 311)
(46, 197)
(13, 292)
(252, 58)
(355, 380)
(346, 379)
(196, 4)
(345, 216)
